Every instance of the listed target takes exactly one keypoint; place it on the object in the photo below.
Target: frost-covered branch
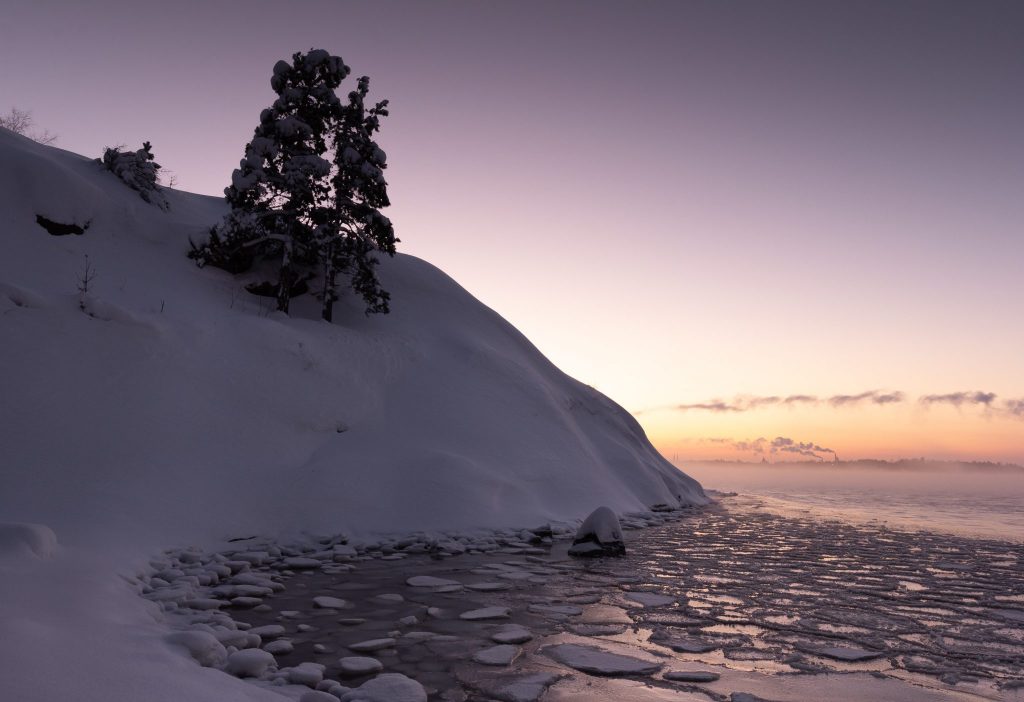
(20, 122)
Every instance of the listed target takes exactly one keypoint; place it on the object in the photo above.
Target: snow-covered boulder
(308, 674)
(599, 535)
(355, 666)
(249, 663)
(388, 687)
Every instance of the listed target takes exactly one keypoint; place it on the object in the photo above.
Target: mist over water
(939, 497)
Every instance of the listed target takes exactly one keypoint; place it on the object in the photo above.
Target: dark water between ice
(782, 608)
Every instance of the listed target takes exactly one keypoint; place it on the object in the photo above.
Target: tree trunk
(284, 280)
(330, 272)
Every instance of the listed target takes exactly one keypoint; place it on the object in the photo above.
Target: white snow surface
(176, 410)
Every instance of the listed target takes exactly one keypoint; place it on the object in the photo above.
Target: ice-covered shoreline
(718, 602)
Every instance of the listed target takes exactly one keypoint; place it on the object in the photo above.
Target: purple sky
(677, 201)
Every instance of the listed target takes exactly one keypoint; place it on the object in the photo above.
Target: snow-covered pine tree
(139, 171)
(358, 229)
(309, 191)
(280, 193)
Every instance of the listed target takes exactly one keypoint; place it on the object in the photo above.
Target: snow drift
(163, 406)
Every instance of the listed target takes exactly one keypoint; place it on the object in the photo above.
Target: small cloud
(888, 398)
(1014, 408)
(712, 406)
(755, 402)
(959, 399)
(878, 398)
(747, 403)
(874, 397)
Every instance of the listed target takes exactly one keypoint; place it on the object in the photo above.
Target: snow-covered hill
(175, 408)
(167, 407)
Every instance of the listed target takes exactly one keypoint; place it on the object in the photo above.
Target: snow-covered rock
(249, 663)
(599, 535)
(387, 687)
(359, 665)
(279, 647)
(308, 674)
(268, 631)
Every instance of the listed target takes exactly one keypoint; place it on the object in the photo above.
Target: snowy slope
(177, 410)
(180, 398)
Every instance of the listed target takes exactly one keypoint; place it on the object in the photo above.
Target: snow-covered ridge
(175, 409)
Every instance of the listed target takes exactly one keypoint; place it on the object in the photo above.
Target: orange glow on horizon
(884, 433)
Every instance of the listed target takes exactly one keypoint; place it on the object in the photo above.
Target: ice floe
(328, 602)
(372, 645)
(497, 655)
(598, 661)
(485, 613)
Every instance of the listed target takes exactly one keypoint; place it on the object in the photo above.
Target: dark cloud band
(747, 403)
(959, 399)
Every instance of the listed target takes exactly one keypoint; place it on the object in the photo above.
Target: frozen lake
(968, 502)
(731, 603)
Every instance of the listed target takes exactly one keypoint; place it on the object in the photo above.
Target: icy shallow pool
(724, 603)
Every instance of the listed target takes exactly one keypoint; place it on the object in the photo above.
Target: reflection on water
(969, 502)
